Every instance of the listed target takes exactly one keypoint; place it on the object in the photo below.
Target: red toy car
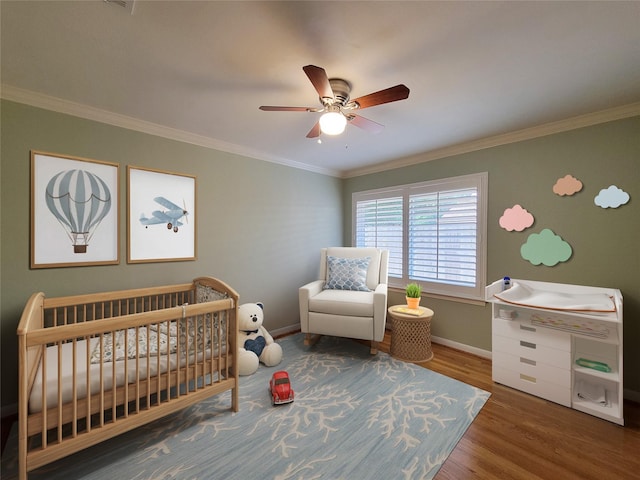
(280, 388)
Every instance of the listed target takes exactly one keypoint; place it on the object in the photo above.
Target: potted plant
(413, 291)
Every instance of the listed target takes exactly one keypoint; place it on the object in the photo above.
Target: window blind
(434, 232)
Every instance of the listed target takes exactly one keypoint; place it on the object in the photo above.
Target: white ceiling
(198, 71)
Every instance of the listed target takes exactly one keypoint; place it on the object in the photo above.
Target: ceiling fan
(337, 108)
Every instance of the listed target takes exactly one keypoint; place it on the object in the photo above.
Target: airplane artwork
(171, 216)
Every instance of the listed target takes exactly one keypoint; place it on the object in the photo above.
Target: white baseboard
(279, 332)
(461, 346)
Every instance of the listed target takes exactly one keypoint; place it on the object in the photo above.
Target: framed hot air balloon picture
(74, 211)
(161, 216)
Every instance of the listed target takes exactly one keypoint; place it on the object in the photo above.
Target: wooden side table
(411, 335)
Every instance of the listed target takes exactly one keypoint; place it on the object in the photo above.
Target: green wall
(605, 242)
(260, 225)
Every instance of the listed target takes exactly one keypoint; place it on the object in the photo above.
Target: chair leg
(374, 348)
(311, 339)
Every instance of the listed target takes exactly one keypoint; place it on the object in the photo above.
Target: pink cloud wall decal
(516, 218)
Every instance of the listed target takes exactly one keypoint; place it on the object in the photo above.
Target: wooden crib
(94, 366)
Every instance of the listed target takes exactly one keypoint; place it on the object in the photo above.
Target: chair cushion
(343, 302)
(347, 273)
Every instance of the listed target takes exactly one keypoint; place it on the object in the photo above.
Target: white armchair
(350, 297)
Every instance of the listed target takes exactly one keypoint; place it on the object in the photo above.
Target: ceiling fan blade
(315, 131)
(269, 108)
(320, 80)
(391, 94)
(365, 124)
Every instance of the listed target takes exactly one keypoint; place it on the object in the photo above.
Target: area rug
(355, 416)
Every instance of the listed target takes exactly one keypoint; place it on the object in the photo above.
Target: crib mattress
(122, 371)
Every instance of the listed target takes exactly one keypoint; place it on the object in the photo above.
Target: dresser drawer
(533, 385)
(536, 371)
(522, 330)
(531, 351)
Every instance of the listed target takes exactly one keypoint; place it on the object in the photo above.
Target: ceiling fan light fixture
(334, 95)
(333, 123)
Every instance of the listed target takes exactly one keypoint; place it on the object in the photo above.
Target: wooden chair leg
(311, 339)
(374, 348)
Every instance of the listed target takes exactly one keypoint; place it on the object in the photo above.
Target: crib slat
(44, 400)
(222, 320)
(101, 388)
(126, 376)
(187, 355)
(203, 320)
(88, 384)
(59, 402)
(74, 389)
(147, 377)
(158, 369)
(113, 375)
(137, 384)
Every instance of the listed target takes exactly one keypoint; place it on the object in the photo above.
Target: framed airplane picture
(161, 216)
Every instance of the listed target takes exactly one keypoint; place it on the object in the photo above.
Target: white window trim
(478, 180)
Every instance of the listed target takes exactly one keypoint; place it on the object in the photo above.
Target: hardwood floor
(519, 436)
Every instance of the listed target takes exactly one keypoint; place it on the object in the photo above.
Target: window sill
(468, 301)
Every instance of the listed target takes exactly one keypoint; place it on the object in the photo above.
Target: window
(435, 232)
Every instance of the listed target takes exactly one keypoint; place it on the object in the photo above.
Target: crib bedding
(160, 339)
(157, 364)
(135, 342)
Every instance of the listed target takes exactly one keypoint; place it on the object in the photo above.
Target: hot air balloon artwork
(79, 200)
(74, 211)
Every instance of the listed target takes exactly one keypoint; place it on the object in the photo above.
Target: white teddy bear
(255, 344)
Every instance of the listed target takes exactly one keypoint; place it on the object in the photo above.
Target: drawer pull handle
(527, 344)
(527, 361)
(527, 328)
(527, 378)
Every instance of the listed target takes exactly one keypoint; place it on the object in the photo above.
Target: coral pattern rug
(355, 416)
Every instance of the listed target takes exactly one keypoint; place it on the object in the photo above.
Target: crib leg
(235, 399)
(23, 448)
(22, 469)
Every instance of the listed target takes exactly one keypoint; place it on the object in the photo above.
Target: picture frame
(161, 216)
(75, 214)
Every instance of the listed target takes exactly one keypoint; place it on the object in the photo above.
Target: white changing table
(535, 349)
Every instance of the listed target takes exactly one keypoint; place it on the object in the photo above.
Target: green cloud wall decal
(545, 248)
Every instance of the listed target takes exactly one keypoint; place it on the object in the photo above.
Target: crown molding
(59, 105)
(586, 120)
